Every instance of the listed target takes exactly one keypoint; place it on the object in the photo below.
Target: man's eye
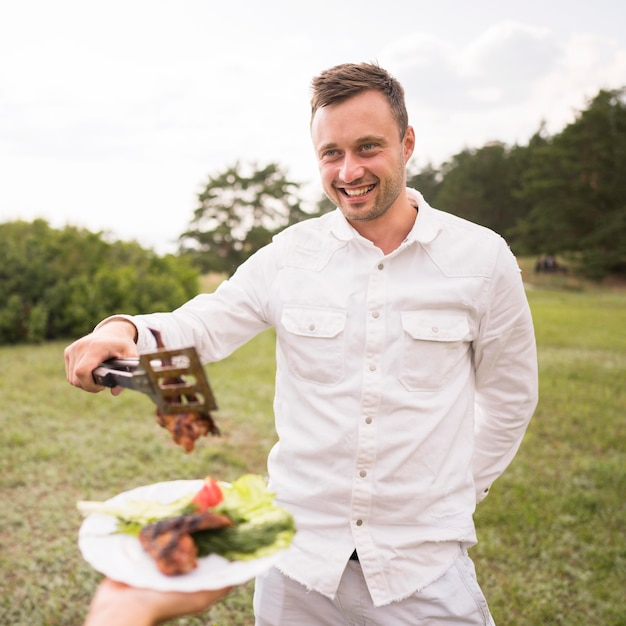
(329, 155)
(366, 147)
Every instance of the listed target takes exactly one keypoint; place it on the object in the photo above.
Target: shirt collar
(340, 227)
(424, 230)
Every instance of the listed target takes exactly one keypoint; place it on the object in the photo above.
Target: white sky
(113, 114)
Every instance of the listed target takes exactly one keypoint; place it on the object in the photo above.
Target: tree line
(59, 283)
(559, 195)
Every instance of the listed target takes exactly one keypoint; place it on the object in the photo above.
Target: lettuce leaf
(261, 526)
(135, 514)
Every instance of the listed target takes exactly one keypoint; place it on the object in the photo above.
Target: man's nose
(351, 169)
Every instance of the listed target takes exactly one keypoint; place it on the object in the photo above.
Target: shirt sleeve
(216, 324)
(505, 358)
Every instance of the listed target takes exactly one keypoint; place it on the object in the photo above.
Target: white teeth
(353, 193)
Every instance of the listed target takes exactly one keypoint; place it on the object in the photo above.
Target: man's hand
(114, 339)
(121, 605)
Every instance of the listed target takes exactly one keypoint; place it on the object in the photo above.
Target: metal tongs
(174, 379)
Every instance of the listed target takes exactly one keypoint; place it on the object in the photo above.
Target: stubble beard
(383, 201)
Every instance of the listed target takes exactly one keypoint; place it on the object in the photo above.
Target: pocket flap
(435, 325)
(313, 322)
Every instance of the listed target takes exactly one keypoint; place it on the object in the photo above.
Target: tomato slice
(209, 496)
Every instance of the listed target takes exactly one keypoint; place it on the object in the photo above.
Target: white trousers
(455, 598)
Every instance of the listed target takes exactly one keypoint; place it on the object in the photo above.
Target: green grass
(552, 544)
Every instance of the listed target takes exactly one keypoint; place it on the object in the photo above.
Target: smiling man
(363, 143)
(406, 375)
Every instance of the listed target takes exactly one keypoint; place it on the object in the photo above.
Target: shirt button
(381, 266)
(435, 329)
(359, 522)
(362, 473)
(368, 420)
(375, 315)
(311, 327)
(372, 368)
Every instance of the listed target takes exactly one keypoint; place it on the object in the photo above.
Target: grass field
(552, 532)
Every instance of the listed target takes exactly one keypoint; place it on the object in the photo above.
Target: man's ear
(408, 143)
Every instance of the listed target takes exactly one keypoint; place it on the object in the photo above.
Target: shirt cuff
(145, 339)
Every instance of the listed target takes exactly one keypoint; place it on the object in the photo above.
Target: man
(406, 375)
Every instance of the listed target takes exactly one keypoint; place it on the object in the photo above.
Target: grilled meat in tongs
(176, 382)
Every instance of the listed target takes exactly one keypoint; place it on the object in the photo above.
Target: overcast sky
(114, 114)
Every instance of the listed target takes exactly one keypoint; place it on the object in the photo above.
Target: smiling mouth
(356, 193)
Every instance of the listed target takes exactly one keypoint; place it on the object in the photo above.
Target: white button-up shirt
(404, 385)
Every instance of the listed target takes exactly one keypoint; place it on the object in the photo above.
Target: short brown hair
(350, 79)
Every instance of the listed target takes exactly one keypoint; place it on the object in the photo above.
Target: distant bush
(60, 283)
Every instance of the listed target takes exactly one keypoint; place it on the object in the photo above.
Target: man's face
(360, 154)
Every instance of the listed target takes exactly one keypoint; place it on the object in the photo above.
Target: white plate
(122, 558)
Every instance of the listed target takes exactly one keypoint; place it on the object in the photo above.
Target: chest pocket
(434, 344)
(315, 343)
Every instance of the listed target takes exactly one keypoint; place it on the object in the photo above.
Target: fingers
(189, 603)
(113, 340)
(78, 370)
(120, 604)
